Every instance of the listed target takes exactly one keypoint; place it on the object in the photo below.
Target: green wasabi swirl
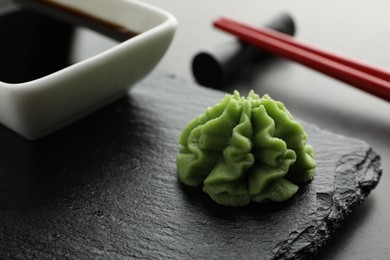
(245, 149)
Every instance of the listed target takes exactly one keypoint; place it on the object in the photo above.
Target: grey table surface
(356, 28)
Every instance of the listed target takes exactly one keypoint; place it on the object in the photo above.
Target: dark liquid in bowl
(35, 42)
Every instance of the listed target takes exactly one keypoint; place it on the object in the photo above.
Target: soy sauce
(38, 40)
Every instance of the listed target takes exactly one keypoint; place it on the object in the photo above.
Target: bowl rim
(168, 23)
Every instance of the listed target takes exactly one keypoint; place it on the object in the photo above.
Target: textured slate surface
(107, 187)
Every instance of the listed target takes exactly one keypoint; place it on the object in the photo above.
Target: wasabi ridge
(245, 149)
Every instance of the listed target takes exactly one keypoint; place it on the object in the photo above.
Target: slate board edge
(367, 180)
(332, 223)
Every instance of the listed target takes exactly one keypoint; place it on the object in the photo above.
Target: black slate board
(107, 187)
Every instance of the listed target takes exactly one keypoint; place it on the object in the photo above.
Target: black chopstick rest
(217, 67)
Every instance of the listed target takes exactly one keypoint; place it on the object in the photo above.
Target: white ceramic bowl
(38, 107)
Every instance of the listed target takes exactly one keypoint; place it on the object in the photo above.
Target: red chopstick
(366, 77)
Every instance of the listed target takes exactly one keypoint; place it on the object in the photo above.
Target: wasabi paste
(245, 149)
